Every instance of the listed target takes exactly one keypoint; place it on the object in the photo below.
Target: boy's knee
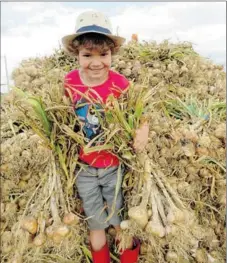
(97, 239)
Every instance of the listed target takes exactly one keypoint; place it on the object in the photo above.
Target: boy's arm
(70, 86)
(142, 133)
(141, 136)
(68, 93)
(67, 89)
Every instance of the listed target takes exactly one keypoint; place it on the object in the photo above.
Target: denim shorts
(96, 188)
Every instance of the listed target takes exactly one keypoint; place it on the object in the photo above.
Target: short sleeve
(120, 84)
(70, 83)
(66, 86)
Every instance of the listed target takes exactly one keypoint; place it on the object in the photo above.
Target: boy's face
(94, 63)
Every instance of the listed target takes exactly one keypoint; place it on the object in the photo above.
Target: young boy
(94, 44)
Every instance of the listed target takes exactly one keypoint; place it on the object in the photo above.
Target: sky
(30, 29)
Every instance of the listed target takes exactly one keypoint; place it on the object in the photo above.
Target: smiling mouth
(96, 69)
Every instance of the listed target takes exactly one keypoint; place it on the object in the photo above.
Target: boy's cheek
(107, 62)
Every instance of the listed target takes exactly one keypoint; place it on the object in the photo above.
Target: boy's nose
(96, 63)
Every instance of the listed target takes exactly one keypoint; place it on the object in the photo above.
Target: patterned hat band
(94, 28)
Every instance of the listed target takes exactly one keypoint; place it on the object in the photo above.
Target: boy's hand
(141, 137)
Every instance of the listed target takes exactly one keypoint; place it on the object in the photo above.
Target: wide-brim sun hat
(92, 22)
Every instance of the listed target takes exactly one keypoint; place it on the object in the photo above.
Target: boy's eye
(104, 54)
(86, 55)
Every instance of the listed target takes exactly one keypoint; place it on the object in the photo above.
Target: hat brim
(67, 40)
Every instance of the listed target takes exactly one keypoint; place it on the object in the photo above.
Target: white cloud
(142, 21)
(210, 37)
(25, 6)
(203, 24)
(44, 24)
(168, 20)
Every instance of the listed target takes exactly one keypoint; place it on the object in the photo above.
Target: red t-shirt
(115, 84)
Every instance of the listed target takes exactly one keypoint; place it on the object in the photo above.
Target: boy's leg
(90, 193)
(109, 180)
(97, 239)
(131, 255)
(99, 247)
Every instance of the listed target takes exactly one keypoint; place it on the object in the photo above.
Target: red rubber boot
(131, 255)
(101, 256)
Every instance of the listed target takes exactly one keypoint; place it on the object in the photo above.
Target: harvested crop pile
(174, 190)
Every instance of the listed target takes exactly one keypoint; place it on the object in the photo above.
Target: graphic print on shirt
(88, 115)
